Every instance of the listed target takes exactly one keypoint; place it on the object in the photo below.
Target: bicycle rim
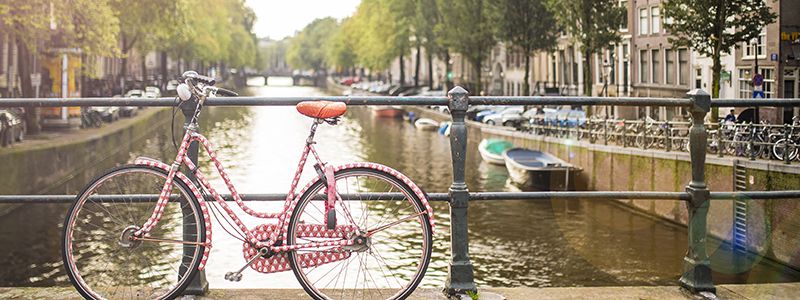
(103, 265)
(394, 261)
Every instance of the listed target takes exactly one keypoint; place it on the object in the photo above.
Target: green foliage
(705, 26)
(340, 50)
(592, 23)
(528, 25)
(307, 49)
(467, 28)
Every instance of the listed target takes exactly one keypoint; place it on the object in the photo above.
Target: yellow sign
(790, 36)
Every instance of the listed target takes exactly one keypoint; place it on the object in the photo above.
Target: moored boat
(538, 170)
(491, 150)
(388, 111)
(444, 128)
(426, 124)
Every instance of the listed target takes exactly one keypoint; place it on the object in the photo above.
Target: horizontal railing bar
(478, 196)
(755, 102)
(560, 100)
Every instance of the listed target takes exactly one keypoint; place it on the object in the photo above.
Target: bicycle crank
(237, 276)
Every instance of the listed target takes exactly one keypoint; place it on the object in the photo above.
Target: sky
(282, 18)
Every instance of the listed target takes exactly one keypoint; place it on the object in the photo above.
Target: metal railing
(696, 275)
(752, 141)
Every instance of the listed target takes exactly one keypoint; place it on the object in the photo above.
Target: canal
(512, 243)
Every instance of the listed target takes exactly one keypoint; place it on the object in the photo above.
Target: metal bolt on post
(460, 278)
(198, 284)
(696, 266)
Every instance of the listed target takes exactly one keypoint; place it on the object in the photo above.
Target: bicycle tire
(420, 244)
(83, 259)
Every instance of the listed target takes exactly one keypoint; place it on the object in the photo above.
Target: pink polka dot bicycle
(144, 230)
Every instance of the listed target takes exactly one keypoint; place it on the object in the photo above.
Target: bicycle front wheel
(386, 219)
(101, 258)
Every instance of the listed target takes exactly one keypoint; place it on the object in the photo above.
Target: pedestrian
(731, 117)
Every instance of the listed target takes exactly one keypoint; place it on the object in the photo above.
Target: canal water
(512, 243)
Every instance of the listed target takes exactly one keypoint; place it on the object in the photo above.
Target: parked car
(349, 80)
(171, 88)
(109, 113)
(134, 94)
(399, 89)
(152, 92)
(12, 127)
(128, 111)
(504, 116)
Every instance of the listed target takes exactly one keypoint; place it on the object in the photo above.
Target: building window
(745, 83)
(643, 68)
(655, 20)
(656, 63)
(760, 48)
(683, 67)
(643, 21)
(769, 82)
(624, 5)
(669, 65)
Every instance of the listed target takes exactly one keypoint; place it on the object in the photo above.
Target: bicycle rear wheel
(101, 259)
(387, 265)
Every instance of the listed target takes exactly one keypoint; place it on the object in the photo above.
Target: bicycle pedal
(233, 276)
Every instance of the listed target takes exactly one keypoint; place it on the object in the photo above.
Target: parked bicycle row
(753, 141)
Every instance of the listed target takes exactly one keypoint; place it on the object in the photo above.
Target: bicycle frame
(182, 158)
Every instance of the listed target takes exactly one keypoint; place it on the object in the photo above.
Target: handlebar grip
(226, 92)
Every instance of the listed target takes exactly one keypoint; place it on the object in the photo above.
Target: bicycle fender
(150, 162)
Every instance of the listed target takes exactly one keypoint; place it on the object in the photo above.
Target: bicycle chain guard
(280, 261)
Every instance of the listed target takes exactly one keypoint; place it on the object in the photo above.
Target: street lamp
(606, 71)
(754, 43)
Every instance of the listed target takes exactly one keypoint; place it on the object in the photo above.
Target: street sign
(36, 79)
(758, 95)
(773, 57)
(758, 80)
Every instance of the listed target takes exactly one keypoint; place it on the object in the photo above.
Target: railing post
(605, 131)
(787, 135)
(668, 133)
(752, 141)
(198, 284)
(460, 277)
(720, 140)
(624, 133)
(696, 266)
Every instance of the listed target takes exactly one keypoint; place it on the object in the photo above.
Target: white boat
(491, 150)
(538, 170)
(426, 124)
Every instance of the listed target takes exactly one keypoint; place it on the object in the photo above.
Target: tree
(148, 24)
(594, 24)
(426, 18)
(84, 24)
(467, 29)
(528, 25)
(340, 50)
(706, 27)
(307, 48)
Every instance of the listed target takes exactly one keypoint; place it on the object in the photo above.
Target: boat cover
(497, 146)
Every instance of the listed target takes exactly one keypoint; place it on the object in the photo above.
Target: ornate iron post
(696, 266)
(460, 277)
(198, 284)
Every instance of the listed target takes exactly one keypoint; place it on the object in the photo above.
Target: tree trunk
(448, 82)
(144, 71)
(430, 70)
(416, 66)
(164, 71)
(476, 64)
(31, 113)
(587, 73)
(526, 85)
(402, 71)
(716, 70)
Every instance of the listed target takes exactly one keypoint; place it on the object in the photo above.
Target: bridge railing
(696, 275)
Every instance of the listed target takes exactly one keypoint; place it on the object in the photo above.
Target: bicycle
(90, 118)
(119, 243)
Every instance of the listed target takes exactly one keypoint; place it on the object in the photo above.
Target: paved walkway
(732, 292)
